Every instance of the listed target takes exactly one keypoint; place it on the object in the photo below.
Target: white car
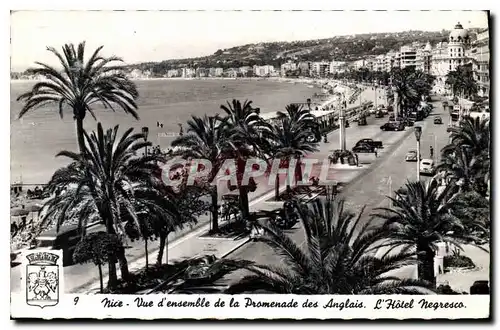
(427, 167)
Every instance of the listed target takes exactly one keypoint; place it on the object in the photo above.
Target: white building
(320, 69)
(480, 54)
(172, 73)
(188, 72)
(337, 67)
(446, 57)
(408, 57)
(263, 70)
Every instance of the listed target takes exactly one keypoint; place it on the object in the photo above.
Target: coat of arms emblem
(42, 279)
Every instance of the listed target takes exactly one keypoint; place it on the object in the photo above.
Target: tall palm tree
(80, 85)
(104, 180)
(403, 84)
(243, 133)
(334, 260)
(206, 138)
(419, 219)
(462, 82)
(288, 140)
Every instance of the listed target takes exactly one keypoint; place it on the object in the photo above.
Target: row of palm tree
(408, 84)
(108, 179)
(342, 256)
(242, 134)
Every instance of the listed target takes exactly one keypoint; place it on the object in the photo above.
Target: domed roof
(459, 33)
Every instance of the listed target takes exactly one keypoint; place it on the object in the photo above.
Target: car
(375, 144)
(379, 114)
(363, 148)
(455, 115)
(427, 167)
(201, 270)
(393, 126)
(409, 122)
(411, 156)
(438, 120)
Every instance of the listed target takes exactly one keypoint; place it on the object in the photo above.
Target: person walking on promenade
(432, 152)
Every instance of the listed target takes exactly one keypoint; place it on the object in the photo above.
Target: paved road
(391, 173)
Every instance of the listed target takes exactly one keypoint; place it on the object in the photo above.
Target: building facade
(408, 57)
(320, 69)
(480, 56)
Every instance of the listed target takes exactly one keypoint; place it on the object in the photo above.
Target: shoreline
(330, 101)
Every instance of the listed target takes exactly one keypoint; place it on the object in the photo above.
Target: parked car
(379, 114)
(438, 120)
(427, 167)
(455, 115)
(371, 142)
(393, 126)
(364, 148)
(362, 121)
(411, 156)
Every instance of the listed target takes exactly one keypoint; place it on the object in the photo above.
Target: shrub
(458, 261)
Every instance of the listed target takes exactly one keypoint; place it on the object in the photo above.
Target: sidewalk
(188, 246)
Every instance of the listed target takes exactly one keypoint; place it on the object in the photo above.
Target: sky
(141, 36)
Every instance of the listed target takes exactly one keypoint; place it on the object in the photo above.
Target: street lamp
(145, 131)
(418, 134)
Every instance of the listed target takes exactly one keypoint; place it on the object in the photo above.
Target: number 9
(76, 300)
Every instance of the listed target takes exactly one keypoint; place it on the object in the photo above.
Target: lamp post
(342, 126)
(418, 134)
(145, 131)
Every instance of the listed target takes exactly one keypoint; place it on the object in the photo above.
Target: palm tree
(288, 139)
(472, 134)
(243, 133)
(337, 258)
(462, 82)
(206, 139)
(467, 157)
(155, 215)
(419, 219)
(405, 82)
(80, 85)
(465, 169)
(103, 181)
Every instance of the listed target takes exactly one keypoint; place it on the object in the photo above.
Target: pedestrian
(375, 150)
(432, 152)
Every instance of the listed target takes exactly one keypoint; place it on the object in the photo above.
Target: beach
(41, 134)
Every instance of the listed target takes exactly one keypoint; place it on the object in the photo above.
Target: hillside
(340, 48)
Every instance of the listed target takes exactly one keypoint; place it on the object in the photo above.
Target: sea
(42, 133)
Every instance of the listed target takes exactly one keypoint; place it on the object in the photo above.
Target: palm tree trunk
(425, 256)
(146, 252)
(277, 188)
(244, 203)
(122, 260)
(163, 240)
(100, 277)
(215, 210)
(112, 276)
(79, 134)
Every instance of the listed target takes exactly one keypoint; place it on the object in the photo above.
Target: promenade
(187, 243)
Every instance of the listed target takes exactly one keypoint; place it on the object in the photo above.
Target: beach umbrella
(19, 212)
